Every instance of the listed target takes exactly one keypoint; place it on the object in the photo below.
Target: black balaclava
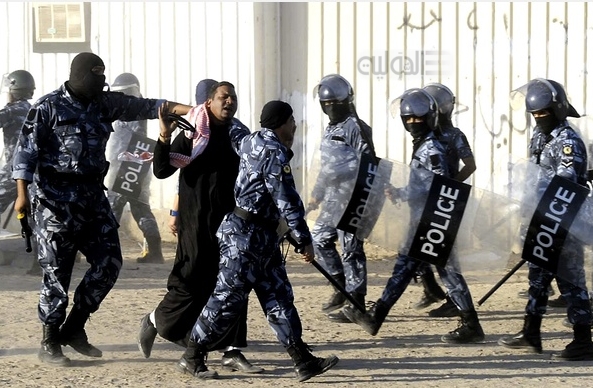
(83, 82)
(275, 114)
(547, 123)
(337, 111)
(417, 130)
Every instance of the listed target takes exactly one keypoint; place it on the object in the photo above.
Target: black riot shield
(549, 241)
(134, 167)
(350, 190)
(423, 215)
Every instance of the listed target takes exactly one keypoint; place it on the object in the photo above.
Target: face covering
(547, 123)
(83, 82)
(336, 111)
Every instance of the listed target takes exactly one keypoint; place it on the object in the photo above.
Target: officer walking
(458, 154)
(419, 113)
(251, 258)
(557, 149)
(62, 149)
(344, 142)
(19, 87)
(128, 83)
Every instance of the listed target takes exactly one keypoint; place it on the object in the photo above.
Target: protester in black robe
(205, 196)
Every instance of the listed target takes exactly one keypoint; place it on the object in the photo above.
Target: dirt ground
(406, 352)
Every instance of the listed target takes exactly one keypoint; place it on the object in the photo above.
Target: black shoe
(558, 302)
(51, 350)
(426, 301)
(314, 367)
(520, 341)
(236, 361)
(446, 310)
(339, 317)
(146, 336)
(575, 351)
(469, 330)
(80, 342)
(336, 301)
(566, 323)
(370, 321)
(196, 368)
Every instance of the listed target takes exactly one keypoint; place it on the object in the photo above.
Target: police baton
(501, 282)
(333, 281)
(338, 286)
(26, 231)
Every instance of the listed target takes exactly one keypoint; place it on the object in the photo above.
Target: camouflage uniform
(12, 117)
(139, 207)
(250, 253)
(429, 156)
(561, 153)
(62, 150)
(456, 146)
(341, 149)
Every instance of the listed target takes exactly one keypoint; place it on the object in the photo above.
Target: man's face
(286, 132)
(223, 105)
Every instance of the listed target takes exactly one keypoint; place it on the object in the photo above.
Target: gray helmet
(443, 96)
(126, 83)
(334, 87)
(417, 102)
(545, 94)
(19, 83)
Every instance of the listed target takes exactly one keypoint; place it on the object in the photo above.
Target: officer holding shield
(419, 114)
(345, 140)
(558, 150)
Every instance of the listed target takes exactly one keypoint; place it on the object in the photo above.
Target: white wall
(281, 50)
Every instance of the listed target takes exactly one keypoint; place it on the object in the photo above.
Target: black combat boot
(372, 320)
(51, 350)
(337, 300)
(193, 362)
(581, 347)
(446, 310)
(433, 293)
(529, 338)
(339, 316)
(154, 254)
(307, 365)
(72, 333)
(469, 330)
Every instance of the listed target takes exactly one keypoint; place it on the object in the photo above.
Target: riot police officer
(128, 83)
(419, 114)
(346, 138)
(557, 149)
(458, 153)
(19, 87)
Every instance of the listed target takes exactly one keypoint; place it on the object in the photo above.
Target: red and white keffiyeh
(198, 117)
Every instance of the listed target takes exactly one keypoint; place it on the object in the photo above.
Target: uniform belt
(255, 218)
(74, 178)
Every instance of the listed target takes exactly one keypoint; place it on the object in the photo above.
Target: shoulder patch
(286, 169)
(567, 149)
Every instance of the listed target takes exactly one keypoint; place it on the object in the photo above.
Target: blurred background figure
(120, 141)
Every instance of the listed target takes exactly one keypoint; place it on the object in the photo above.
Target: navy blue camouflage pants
(403, 272)
(62, 229)
(250, 260)
(353, 261)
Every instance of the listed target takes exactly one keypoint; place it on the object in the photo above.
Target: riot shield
(130, 156)
(423, 215)
(555, 224)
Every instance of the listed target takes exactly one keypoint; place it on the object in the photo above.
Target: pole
(501, 282)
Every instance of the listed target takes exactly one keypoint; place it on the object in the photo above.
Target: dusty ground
(406, 352)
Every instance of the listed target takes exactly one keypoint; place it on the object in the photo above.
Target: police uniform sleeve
(24, 162)
(571, 159)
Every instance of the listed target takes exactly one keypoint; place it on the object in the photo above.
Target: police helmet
(444, 98)
(126, 83)
(417, 102)
(334, 87)
(20, 84)
(545, 94)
